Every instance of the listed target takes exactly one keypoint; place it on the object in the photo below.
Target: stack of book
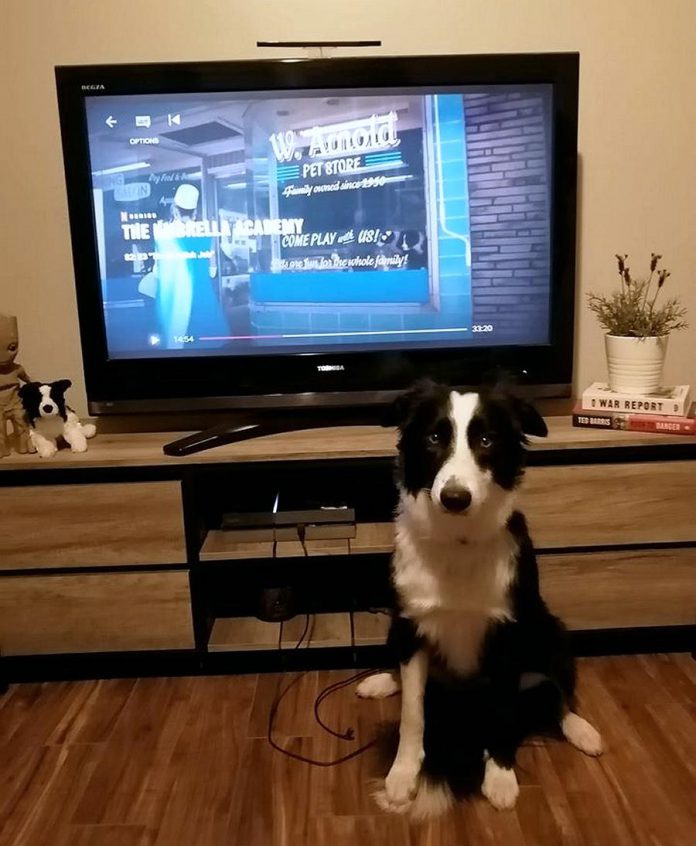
(666, 410)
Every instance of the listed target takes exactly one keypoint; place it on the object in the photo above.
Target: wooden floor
(185, 761)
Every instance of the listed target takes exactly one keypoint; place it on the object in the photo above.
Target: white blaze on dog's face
(48, 407)
(461, 455)
(461, 484)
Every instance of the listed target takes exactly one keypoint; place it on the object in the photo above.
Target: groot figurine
(11, 375)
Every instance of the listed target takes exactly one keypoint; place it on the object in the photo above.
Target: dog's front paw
(46, 450)
(399, 790)
(581, 734)
(500, 786)
(78, 444)
(378, 686)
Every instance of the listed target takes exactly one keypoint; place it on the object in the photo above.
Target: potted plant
(637, 327)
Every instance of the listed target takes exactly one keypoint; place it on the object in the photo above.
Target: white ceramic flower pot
(635, 364)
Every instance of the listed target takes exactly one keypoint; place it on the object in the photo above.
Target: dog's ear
(527, 418)
(531, 422)
(525, 415)
(399, 412)
(26, 390)
(62, 385)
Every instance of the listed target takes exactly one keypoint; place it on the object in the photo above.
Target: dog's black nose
(47, 409)
(455, 498)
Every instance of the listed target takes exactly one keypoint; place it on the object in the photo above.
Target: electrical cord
(305, 630)
(348, 735)
(351, 617)
(301, 532)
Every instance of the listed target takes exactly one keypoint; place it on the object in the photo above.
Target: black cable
(296, 756)
(304, 631)
(351, 617)
(301, 532)
(279, 696)
(349, 734)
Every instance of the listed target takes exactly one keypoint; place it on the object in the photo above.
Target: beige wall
(637, 126)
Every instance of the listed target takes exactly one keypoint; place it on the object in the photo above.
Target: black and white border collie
(50, 418)
(483, 663)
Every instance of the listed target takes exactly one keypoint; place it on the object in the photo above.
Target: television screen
(320, 232)
(266, 222)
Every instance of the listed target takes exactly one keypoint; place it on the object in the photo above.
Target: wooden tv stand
(112, 562)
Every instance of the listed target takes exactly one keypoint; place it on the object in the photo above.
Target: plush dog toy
(51, 419)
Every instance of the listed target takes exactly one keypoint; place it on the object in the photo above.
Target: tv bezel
(294, 378)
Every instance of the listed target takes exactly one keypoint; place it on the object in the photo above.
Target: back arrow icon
(111, 122)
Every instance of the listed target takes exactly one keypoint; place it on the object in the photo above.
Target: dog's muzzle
(455, 498)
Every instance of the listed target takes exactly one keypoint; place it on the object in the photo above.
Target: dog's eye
(486, 441)
(434, 438)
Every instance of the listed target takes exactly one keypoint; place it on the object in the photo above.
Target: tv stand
(256, 424)
(139, 574)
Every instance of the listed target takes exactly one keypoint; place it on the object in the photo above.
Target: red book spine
(654, 423)
(663, 424)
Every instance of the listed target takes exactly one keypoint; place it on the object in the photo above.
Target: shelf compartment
(222, 546)
(372, 538)
(248, 634)
(369, 538)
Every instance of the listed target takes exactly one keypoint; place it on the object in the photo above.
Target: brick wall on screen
(507, 148)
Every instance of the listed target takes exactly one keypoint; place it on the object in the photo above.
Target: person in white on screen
(185, 301)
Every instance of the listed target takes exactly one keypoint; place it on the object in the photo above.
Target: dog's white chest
(452, 591)
(457, 637)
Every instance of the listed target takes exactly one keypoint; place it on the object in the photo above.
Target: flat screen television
(266, 234)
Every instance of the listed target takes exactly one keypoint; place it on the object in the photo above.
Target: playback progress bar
(357, 334)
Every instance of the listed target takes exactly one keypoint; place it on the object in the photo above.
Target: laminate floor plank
(101, 835)
(387, 830)
(95, 720)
